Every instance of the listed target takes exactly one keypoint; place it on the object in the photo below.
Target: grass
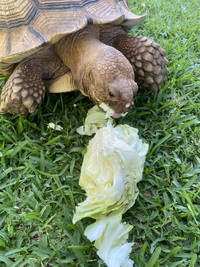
(40, 167)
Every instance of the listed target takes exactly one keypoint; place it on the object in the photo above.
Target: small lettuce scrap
(54, 126)
(111, 169)
(96, 119)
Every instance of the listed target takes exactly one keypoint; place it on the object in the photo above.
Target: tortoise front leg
(25, 88)
(146, 56)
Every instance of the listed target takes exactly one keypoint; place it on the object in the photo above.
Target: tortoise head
(110, 80)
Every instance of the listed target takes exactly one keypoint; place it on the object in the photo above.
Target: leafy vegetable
(111, 169)
(110, 236)
(54, 126)
(96, 119)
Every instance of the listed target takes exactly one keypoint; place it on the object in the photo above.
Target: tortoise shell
(27, 25)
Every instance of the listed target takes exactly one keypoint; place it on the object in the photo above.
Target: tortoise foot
(147, 58)
(23, 92)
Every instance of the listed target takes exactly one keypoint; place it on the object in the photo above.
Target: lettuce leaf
(111, 169)
(110, 236)
(95, 120)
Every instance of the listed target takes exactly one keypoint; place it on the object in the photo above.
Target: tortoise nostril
(111, 94)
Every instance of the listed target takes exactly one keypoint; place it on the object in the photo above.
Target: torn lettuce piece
(110, 236)
(108, 111)
(111, 169)
(54, 126)
(96, 119)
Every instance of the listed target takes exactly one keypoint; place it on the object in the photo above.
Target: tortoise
(75, 45)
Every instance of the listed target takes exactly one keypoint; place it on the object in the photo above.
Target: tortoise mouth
(117, 115)
(121, 106)
(116, 109)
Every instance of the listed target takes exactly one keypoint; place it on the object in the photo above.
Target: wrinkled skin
(100, 71)
(111, 83)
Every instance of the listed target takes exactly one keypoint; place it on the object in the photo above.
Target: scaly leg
(25, 88)
(146, 56)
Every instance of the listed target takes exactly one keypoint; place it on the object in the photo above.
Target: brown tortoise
(75, 45)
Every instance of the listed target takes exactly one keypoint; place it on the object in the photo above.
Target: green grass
(40, 167)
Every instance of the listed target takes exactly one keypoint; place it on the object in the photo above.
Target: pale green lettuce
(110, 236)
(96, 119)
(111, 169)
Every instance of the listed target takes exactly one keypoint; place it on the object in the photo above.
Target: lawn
(40, 166)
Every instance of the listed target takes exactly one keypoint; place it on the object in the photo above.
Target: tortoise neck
(77, 49)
